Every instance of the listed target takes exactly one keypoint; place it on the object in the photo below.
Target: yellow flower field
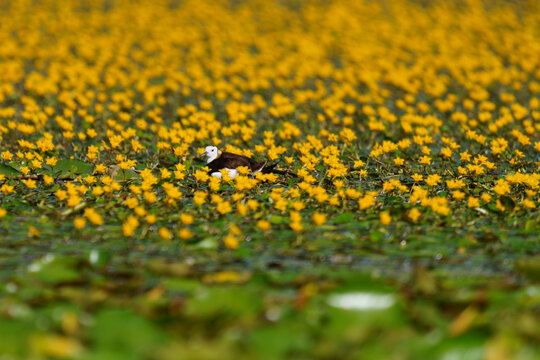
(413, 129)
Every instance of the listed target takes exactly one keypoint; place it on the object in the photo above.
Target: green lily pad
(343, 218)
(8, 170)
(73, 166)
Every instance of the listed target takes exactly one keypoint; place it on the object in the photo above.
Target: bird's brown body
(228, 160)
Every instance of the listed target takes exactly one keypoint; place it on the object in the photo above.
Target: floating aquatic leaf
(73, 166)
(8, 171)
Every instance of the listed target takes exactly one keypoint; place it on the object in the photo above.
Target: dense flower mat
(411, 230)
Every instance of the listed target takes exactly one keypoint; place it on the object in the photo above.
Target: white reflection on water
(361, 301)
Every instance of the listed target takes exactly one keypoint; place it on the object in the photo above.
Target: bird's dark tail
(271, 169)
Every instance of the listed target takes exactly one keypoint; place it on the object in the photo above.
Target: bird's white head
(211, 152)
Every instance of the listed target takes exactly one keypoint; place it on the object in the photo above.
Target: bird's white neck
(211, 158)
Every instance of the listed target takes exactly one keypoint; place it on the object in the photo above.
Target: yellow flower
(367, 201)
(61, 194)
(414, 214)
(224, 207)
(243, 170)
(97, 191)
(201, 176)
(385, 218)
(318, 218)
(242, 209)
(502, 187)
(252, 204)
(439, 205)
(231, 242)
(74, 200)
(465, 156)
(433, 180)
(129, 225)
(79, 222)
(446, 152)
(528, 204)
(48, 179)
(33, 232)
(237, 196)
(425, 160)
(359, 163)
(31, 184)
(458, 195)
(263, 225)
(185, 234)
(131, 202)
(165, 174)
(473, 202)
(235, 230)
(3, 212)
(296, 226)
(51, 161)
(100, 168)
(417, 177)
(199, 198)
(298, 205)
(164, 233)
(7, 155)
(186, 219)
(215, 183)
(93, 216)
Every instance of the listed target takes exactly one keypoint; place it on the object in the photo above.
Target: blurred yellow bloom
(414, 214)
(185, 234)
(93, 216)
(385, 218)
(79, 222)
(263, 225)
(186, 219)
(231, 242)
(433, 180)
(473, 202)
(458, 195)
(164, 233)
(318, 218)
(31, 184)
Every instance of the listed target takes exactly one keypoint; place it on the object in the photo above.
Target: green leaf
(376, 235)
(271, 343)
(529, 267)
(125, 175)
(125, 334)
(207, 243)
(52, 269)
(234, 301)
(531, 225)
(276, 219)
(13, 342)
(508, 202)
(8, 170)
(73, 166)
(98, 257)
(343, 218)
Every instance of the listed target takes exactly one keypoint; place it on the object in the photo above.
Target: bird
(218, 160)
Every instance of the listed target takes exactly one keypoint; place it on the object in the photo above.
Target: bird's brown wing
(235, 161)
(217, 165)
